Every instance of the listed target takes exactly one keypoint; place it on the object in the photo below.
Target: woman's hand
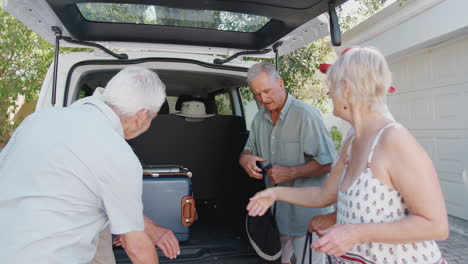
(337, 240)
(260, 203)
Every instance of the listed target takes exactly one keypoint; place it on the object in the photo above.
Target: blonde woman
(390, 207)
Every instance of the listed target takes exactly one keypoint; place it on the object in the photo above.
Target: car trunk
(209, 148)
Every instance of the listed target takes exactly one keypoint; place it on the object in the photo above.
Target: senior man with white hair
(68, 173)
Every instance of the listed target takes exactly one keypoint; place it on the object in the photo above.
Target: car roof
(282, 18)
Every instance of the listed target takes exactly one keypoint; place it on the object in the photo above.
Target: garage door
(432, 101)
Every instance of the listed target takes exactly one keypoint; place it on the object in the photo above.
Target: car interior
(209, 148)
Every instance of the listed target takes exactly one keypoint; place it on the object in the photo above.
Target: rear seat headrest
(164, 110)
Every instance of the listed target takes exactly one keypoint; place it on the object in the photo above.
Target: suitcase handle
(188, 210)
(147, 174)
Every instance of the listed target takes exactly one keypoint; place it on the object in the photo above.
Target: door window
(223, 103)
(248, 104)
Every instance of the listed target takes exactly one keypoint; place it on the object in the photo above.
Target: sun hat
(194, 109)
(323, 67)
(264, 237)
(262, 231)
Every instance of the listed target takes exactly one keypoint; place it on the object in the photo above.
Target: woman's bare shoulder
(396, 137)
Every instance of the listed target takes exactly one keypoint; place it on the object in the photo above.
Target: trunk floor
(209, 243)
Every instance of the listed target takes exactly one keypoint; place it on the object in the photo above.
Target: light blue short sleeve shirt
(298, 137)
(66, 174)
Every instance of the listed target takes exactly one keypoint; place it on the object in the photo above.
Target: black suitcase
(167, 199)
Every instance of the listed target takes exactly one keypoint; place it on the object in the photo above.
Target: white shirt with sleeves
(66, 174)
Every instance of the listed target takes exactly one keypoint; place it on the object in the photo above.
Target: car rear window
(165, 16)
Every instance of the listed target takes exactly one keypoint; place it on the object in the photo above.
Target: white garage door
(432, 101)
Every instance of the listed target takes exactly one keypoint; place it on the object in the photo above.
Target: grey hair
(133, 89)
(260, 67)
(366, 71)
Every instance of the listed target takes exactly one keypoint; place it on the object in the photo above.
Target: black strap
(262, 182)
(307, 243)
(274, 207)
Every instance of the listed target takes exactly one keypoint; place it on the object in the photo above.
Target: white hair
(135, 88)
(260, 67)
(366, 71)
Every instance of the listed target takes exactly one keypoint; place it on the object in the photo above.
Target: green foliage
(336, 136)
(24, 58)
(223, 104)
(364, 10)
(299, 69)
(245, 94)
(301, 76)
(114, 12)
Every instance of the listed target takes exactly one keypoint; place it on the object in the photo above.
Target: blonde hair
(366, 72)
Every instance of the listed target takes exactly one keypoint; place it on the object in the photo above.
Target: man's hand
(321, 222)
(248, 162)
(165, 240)
(279, 174)
(161, 237)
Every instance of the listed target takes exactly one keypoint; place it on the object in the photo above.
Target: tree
(301, 76)
(364, 10)
(24, 58)
(299, 69)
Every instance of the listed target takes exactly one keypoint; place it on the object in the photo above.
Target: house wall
(432, 102)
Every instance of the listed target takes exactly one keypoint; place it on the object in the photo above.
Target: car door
(208, 27)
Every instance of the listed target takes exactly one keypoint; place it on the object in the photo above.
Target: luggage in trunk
(167, 199)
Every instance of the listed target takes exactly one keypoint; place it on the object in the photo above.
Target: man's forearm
(149, 222)
(139, 248)
(310, 169)
(245, 152)
(243, 155)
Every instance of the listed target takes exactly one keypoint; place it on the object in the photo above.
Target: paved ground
(455, 249)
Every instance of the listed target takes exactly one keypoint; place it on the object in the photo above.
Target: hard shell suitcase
(166, 170)
(167, 200)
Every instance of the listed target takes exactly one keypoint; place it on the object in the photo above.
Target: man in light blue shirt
(291, 136)
(68, 173)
